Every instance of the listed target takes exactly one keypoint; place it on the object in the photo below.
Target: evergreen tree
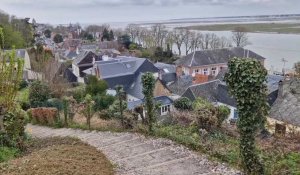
(105, 35)
(111, 35)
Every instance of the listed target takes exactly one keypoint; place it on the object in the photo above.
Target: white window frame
(196, 71)
(164, 110)
(205, 71)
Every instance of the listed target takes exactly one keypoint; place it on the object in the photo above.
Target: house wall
(161, 90)
(75, 70)
(27, 61)
(131, 98)
(201, 69)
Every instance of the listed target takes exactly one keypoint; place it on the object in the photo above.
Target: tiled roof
(216, 56)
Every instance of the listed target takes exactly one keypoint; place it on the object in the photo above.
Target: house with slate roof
(165, 102)
(83, 61)
(286, 108)
(167, 72)
(127, 72)
(211, 62)
(215, 92)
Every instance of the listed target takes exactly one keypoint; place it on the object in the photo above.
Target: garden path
(135, 154)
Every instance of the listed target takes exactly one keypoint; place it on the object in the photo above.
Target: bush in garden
(14, 128)
(39, 93)
(54, 103)
(95, 86)
(222, 114)
(130, 120)
(114, 109)
(183, 103)
(206, 119)
(103, 102)
(23, 84)
(201, 103)
(78, 94)
(44, 116)
(104, 114)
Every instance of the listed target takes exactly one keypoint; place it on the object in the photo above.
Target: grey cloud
(112, 3)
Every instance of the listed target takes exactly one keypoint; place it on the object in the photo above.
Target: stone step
(125, 145)
(150, 158)
(181, 166)
(135, 150)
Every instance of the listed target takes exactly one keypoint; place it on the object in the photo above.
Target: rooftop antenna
(284, 61)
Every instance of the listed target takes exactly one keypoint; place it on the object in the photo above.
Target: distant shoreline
(268, 28)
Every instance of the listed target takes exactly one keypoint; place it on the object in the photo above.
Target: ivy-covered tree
(148, 82)
(88, 110)
(246, 80)
(121, 95)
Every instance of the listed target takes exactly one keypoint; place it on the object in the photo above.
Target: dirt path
(133, 154)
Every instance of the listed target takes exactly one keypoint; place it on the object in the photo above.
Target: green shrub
(14, 128)
(183, 103)
(79, 94)
(201, 103)
(7, 153)
(222, 114)
(95, 86)
(23, 84)
(184, 135)
(54, 103)
(39, 93)
(104, 114)
(103, 102)
(206, 119)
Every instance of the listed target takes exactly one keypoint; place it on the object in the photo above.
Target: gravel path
(134, 154)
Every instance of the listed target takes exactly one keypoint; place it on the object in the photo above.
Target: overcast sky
(102, 11)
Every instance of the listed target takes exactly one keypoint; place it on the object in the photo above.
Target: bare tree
(206, 41)
(240, 37)
(214, 41)
(132, 30)
(179, 36)
(169, 39)
(159, 33)
(190, 41)
(225, 42)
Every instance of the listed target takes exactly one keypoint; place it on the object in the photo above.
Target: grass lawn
(288, 28)
(63, 156)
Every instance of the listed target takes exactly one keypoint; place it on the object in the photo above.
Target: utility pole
(283, 69)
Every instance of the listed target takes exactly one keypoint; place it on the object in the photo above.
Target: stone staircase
(134, 154)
